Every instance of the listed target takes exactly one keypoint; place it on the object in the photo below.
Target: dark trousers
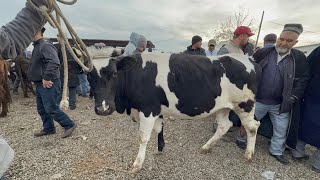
(72, 97)
(48, 108)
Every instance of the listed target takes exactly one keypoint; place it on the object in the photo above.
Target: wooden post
(259, 30)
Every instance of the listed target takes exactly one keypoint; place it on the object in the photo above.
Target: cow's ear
(126, 63)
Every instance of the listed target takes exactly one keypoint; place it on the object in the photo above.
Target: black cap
(297, 28)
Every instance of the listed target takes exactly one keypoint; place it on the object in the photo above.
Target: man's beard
(281, 50)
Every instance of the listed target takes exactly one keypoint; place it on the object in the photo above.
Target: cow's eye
(114, 74)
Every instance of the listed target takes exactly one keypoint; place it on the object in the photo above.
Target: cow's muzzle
(103, 110)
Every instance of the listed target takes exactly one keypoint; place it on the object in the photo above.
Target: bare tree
(225, 29)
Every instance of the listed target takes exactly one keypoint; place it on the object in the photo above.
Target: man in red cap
(240, 38)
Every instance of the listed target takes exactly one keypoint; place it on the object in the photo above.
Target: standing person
(74, 70)
(309, 128)
(195, 47)
(16, 36)
(248, 49)
(131, 46)
(240, 38)
(239, 42)
(284, 78)
(141, 43)
(44, 72)
(269, 40)
(211, 48)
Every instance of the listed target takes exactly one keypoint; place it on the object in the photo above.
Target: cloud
(171, 24)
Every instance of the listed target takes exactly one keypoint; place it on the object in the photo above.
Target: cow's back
(195, 80)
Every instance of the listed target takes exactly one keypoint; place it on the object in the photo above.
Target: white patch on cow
(100, 63)
(244, 59)
(104, 106)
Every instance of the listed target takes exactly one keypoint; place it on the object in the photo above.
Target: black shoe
(72, 107)
(315, 169)
(68, 132)
(305, 157)
(281, 159)
(42, 133)
(241, 144)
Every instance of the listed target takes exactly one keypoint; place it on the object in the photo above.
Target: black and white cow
(150, 85)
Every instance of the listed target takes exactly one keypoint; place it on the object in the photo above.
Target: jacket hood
(133, 37)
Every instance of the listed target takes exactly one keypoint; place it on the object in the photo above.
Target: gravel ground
(105, 148)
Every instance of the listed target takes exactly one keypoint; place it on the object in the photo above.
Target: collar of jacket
(38, 41)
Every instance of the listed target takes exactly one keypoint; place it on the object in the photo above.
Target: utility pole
(259, 29)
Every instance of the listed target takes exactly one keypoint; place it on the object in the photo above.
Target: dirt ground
(106, 147)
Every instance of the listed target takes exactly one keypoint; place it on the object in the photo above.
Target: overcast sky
(170, 24)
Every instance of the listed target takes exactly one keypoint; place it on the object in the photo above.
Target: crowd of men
(287, 98)
(288, 92)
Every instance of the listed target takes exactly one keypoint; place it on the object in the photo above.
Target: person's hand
(47, 84)
(292, 100)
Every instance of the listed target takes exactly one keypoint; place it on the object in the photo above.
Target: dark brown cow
(5, 97)
(22, 65)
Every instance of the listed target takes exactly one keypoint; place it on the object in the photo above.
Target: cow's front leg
(4, 109)
(146, 126)
(224, 125)
(251, 125)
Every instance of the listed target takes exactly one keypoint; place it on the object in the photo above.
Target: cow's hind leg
(158, 128)
(146, 126)
(251, 126)
(224, 124)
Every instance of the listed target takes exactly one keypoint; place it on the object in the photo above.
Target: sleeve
(302, 79)
(18, 34)
(222, 51)
(203, 52)
(51, 56)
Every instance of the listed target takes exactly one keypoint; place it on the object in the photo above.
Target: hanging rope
(52, 6)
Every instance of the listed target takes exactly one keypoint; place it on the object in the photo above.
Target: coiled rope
(47, 11)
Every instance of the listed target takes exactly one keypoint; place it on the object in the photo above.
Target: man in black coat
(309, 129)
(284, 78)
(74, 70)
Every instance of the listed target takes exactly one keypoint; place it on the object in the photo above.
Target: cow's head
(107, 84)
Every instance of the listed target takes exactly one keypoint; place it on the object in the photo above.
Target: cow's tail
(4, 84)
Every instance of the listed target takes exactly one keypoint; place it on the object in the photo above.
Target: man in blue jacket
(45, 73)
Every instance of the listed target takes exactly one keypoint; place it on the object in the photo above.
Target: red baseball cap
(243, 30)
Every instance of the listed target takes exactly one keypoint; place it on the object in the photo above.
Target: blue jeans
(84, 86)
(280, 123)
(48, 108)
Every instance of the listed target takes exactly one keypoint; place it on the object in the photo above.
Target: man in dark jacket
(309, 128)
(284, 78)
(44, 72)
(195, 47)
(74, 70)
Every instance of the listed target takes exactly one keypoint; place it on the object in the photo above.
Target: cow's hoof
(248, 157)
(205, 149)
(3, 114)
(136, 168)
